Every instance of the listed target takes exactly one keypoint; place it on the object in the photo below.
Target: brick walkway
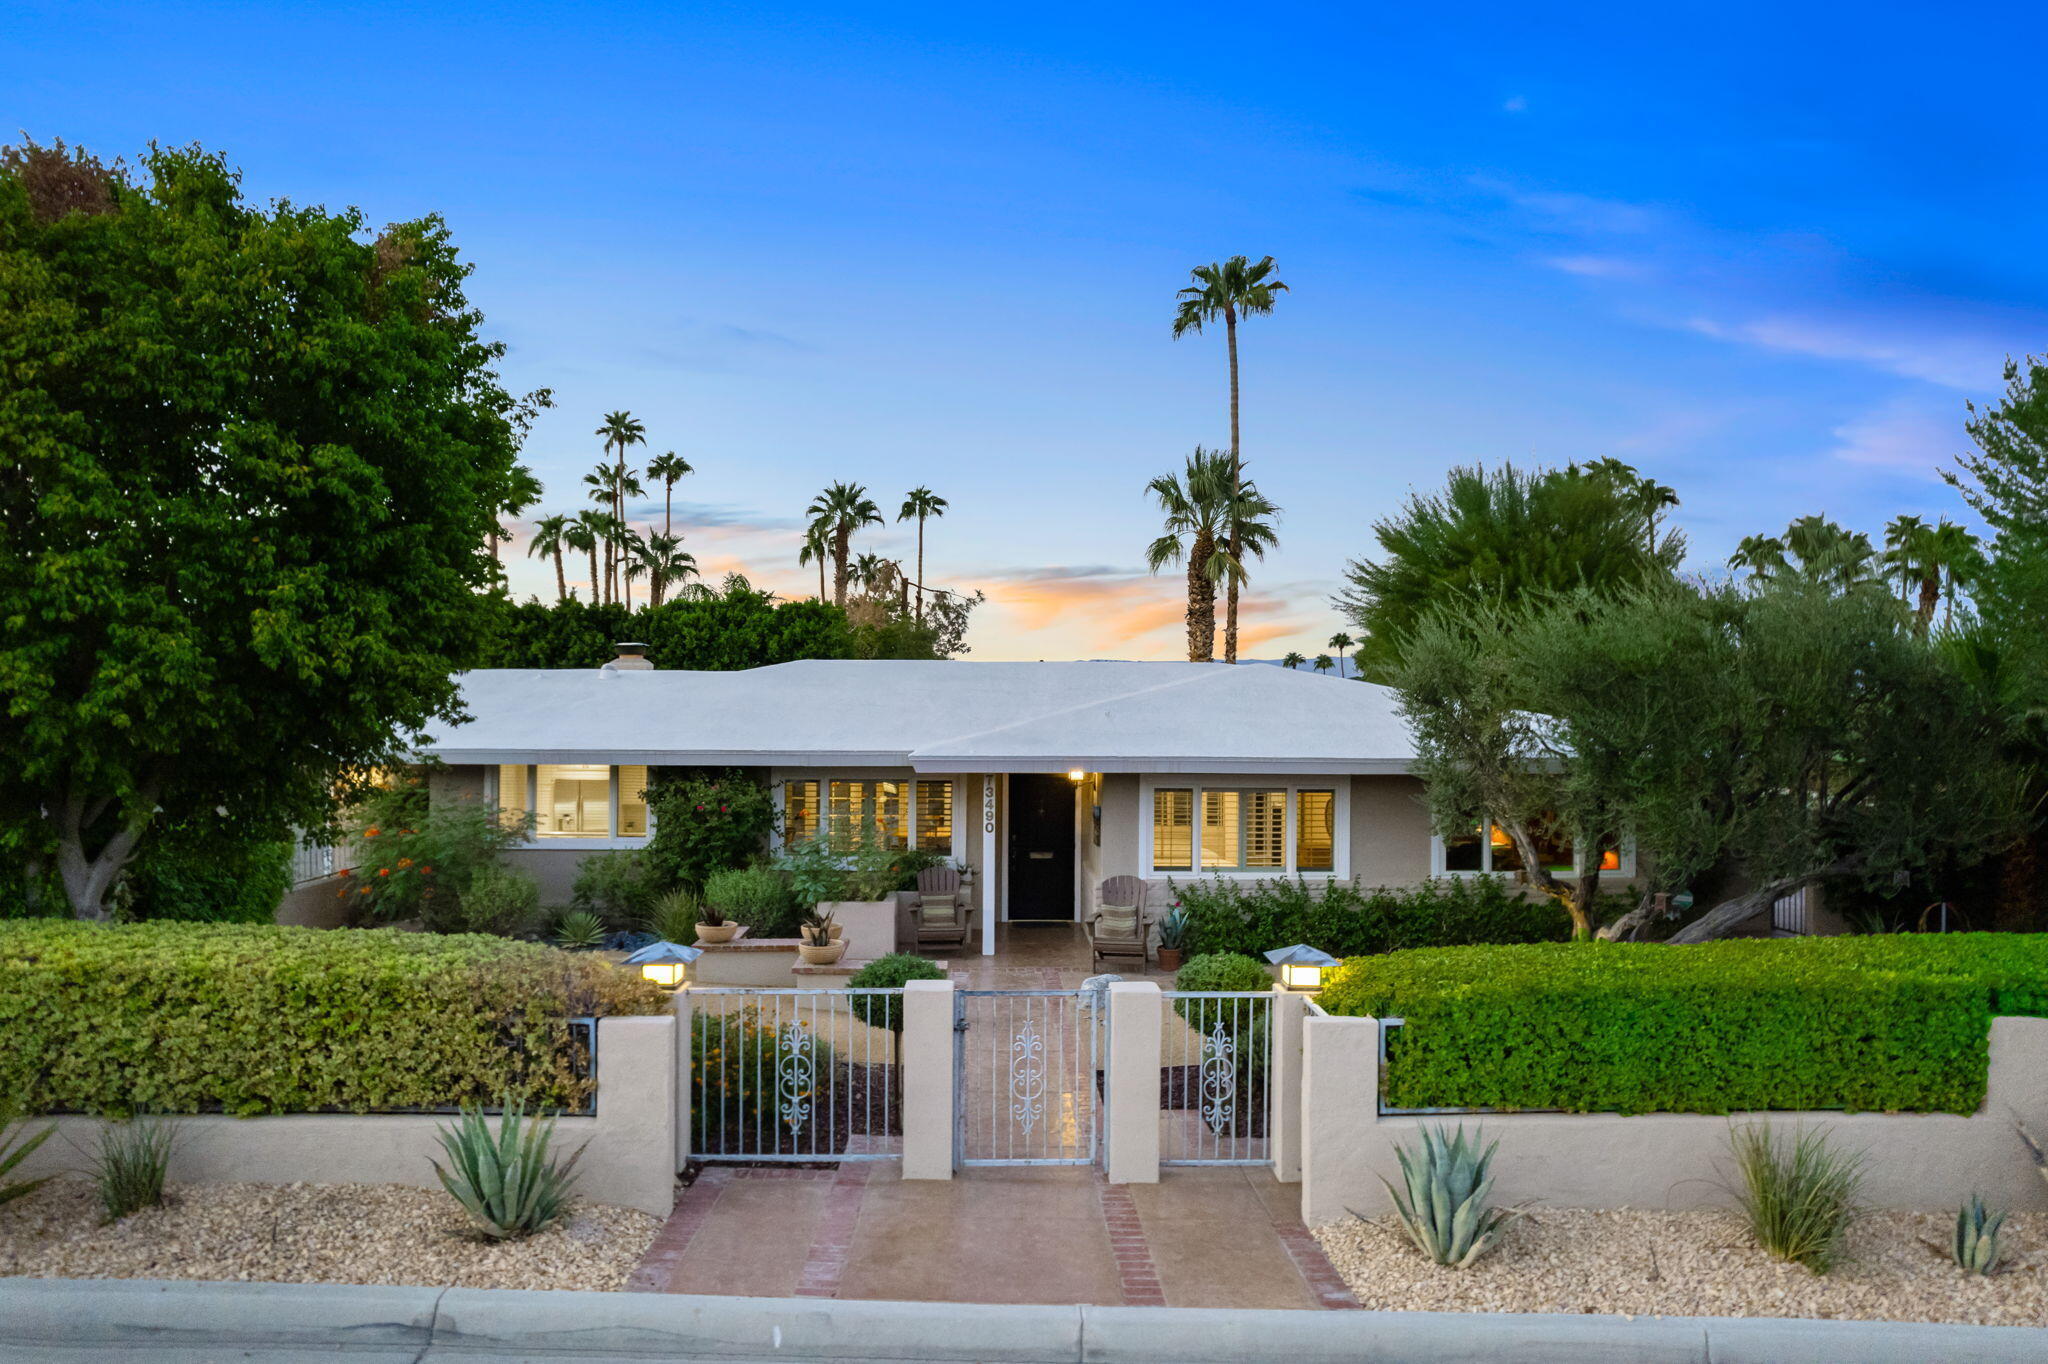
(1220, 1237)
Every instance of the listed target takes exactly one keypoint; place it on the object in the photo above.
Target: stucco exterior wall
(553, 868)
(1929, 1161)
(1389, 832)
(630, 1160)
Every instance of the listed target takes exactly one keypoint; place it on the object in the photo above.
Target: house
(1040, 779)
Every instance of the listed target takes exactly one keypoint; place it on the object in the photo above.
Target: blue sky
(1764, 254)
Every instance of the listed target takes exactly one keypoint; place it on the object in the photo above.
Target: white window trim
(780, 787)
(1340, 838)
(1438, 856)
(535, 843)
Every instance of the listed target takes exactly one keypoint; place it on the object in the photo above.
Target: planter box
(869, 926)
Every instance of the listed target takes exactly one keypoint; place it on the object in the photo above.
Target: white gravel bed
(311, 1233)
(1699, 1264)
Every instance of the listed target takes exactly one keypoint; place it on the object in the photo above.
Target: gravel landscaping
(1698, 1264)
(311, 1233)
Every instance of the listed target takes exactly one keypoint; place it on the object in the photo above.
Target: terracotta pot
(1169, 958)
(812, 954)
(718, 934)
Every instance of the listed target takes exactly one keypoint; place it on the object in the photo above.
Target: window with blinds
(632, 801)
(512, 795)
(573, 800)
(799, 811)
(867, 809)
(935, 816)
(1271, 831)
(1173, 830)
(883, 808)
(1315, 831)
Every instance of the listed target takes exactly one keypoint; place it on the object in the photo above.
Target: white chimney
(632, 658)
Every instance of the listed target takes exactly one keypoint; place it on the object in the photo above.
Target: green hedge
(1225, 916)
(1896, 1023)
(181, 1018)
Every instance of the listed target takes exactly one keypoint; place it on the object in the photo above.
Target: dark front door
(1041, 847)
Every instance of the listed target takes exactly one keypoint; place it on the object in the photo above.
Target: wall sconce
(1076, 775)
(667, 964)
(1301, 966)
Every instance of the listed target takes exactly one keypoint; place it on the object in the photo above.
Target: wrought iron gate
(1216, 1078)
(1028, 1076)
(795, 1076)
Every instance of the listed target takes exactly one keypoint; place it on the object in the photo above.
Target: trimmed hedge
(889, 972)
(1226, 916)
(1896, 1024)
(183, 1018)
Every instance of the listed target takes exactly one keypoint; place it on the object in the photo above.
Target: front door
(1041, 847)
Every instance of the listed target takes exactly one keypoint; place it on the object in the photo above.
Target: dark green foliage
(415, 859)
(1866, 1024)
(706, 821)
(201, 870)
(719, 633)
(250, 458)
(758, 897)
(131, 1162)
(1224, 971)
(615, 886)
(509, 1184)
(179, 1018)
(889, 973)
(1226, 916)
(500, 900)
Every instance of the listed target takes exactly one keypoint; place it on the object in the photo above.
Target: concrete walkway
(1207, 1237)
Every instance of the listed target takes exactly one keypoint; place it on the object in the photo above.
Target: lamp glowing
(1076, 774)
(1301, 966)
(667, 964)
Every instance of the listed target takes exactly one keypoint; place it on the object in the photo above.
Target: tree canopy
(251, 460)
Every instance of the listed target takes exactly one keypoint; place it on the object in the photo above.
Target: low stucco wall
(629, 1160)
(1931, 1161)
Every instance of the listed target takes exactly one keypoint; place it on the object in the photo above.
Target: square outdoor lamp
(667, 964)
(1301, 966)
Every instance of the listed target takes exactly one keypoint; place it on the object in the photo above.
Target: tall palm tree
(867, 571)
(1323, 663)
(839, 511)
(921, 502)
(667, 564)
(1930, 562)
(548, 533)
(1293, 660)
(620, 430)
(1961, 556)
(666, 470)
(816, 549)
(1340, 642)
(1762, 555)
(585, 533)
(1197, 507)
(1230, 290)
(522, 490)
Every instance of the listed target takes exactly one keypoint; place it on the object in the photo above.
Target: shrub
(500, 900)
(1443, 1204)
(1885, 1024)
(1798, 1203)
(615, 886)
(183, 1018)
(579, 930)
(415, 859)
(508, 1184)
(1227, 916)
(735, 1059)
(813, 872)
(15, 1147)
(203, 871)
(1223, 971)
(705, 823)
(889, 973)
(758, 897)
(130, 1165)
(674, 917)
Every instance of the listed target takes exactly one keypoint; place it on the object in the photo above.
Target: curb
(147, 1317)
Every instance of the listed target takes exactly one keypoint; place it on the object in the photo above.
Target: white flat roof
(935, 717)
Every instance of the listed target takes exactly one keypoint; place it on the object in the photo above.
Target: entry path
(1216, 1237)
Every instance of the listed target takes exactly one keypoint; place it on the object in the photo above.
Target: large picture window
(1258, 831)
(576, 800)
(1487, 850)
(900, 814)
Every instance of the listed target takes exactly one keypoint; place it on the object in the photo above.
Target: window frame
(780, 783)
(1625, 855)
(493, 792)
(1339, 789)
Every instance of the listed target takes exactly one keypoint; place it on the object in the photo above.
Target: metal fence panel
(1216, 1078)
(1028, 1076)
(795, 1075)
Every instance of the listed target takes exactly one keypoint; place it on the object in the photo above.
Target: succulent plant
(508, 1183)
(1444, 1207)
(580, 930)
(1173, 929)
(1977, 1228)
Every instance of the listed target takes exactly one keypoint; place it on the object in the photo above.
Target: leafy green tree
(836, 514)
(1498, 539)
(921, 503)
(250, 459)
(1232, 289)
(706, 821)
(718, 631)
(523, 492)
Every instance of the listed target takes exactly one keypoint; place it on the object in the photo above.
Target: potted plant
(1173, 937)
(819, 941)
(713, 926)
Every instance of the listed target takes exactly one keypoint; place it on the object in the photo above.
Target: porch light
(1301, 966)
(1077, 775)
(667, 964)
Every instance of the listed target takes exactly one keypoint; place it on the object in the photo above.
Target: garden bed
(1632, 1263)
(311, 1233)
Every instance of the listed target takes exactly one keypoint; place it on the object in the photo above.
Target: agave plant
(15, 1147)
(1444, 1207)
(508, 1184)
(580, 930)
(1173, 929)
(1977, 1227)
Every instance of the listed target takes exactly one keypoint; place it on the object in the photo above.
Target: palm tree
(522, 490)
(1340, 642)
(662, 560)
(1762, 555)
(921, 502)
(1292, 661)
(1197, 507)
(839, 511)
(585, 533)
(619, 429)
(1323, 663)
(666, 470)
(816, 549)
(548, 541)
(1931, 560)
(1649, 497)
(1961, 556)
(867, 571)
(1232, 289)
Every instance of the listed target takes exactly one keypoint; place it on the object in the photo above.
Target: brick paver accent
(825, 1266)
(1137, 1276)
(665, 1252)
(1323, 1280)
